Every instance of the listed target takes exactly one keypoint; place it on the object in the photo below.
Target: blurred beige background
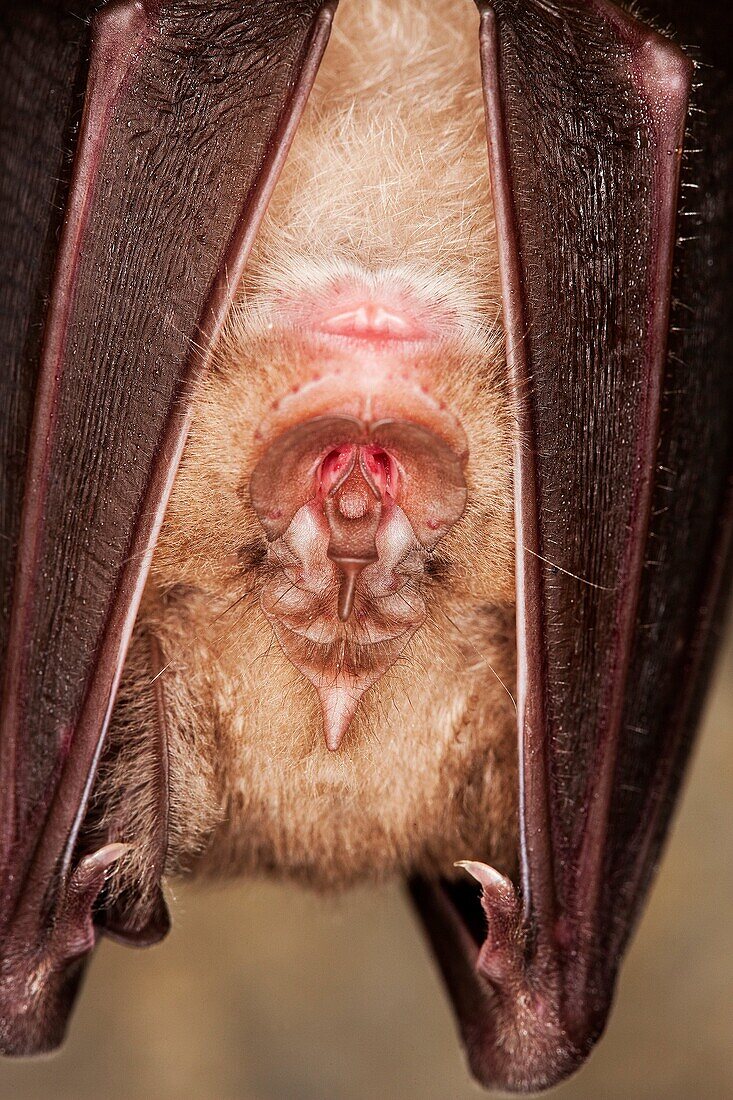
(267, 993)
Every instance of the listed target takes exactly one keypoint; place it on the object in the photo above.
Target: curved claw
(73, 932)
(502, 956)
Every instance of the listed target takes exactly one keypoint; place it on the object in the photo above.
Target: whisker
(196, 637)
(575, 576)
(482, 656)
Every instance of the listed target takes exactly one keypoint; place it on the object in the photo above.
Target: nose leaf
(338, 494)
(352, 509)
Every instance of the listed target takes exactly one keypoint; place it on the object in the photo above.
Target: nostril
(333, 467)
(382, 470)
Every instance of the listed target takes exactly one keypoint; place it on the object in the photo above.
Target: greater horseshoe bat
(365, 502)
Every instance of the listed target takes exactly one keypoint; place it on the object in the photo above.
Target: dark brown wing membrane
(188, 111)
(685, 577)
(43, 51)
(621, 478)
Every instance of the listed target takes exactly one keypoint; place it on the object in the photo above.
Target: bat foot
(538, 1022)
(40, 974)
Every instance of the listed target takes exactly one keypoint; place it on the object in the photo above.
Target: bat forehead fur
(354, 437)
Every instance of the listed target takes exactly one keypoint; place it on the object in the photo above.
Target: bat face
(332, 591)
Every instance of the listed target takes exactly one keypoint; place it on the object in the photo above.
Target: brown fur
(388, 174)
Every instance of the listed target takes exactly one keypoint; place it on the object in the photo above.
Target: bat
(370, 523)
(320, 517)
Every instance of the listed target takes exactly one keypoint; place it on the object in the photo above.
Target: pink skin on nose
(354, 483)
(382, 469)
(361, 355)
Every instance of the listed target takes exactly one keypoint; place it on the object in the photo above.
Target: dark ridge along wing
(184, 111)
(619, 350)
